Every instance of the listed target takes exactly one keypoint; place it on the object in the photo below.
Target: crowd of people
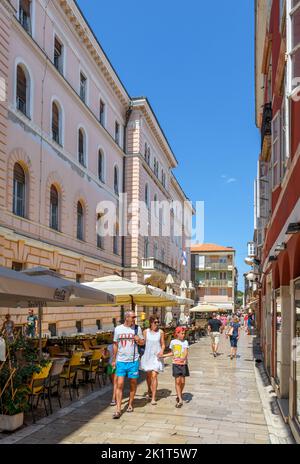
(134, 350)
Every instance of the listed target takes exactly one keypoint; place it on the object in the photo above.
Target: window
(56, 123)
(78, 278)
(147, 196)
(99, 324)
(146, 248)
(53, 208)
(155, 250)
(116, 180)
(19, 192)
(83, 87)
(80, 219)
(82, 147)
(163, 178)
(116, 240)
(102, 113)
(156, 167)
(101, 166)
(100, 231)
(117, 133)
(295, 42)
(223, 291)
(25, 9)
(58, 55)
(23, 90)
(52, 329)
(79, 326)
(17, 266)
(276, 150)
(146, 151)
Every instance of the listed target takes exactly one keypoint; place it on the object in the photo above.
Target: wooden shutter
(21, 84)
(19, 174)
(55, 118)
(25, 6)
(58, 47)
(53, 196)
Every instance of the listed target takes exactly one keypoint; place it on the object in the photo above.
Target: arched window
(147, 198)
(82, 147)
(56, 123)
(54, 208)
(80, 221)
(116, 180)
(23, 90)
(101, 165)
(19, 191)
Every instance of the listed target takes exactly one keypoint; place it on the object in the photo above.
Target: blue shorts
(127, 369)
(233, 342)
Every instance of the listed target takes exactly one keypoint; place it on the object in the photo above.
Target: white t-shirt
(127, 348)
(178, 347)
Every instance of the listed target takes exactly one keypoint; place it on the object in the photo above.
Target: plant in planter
(15, 373)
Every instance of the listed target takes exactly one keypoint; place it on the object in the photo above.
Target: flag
(184, 258)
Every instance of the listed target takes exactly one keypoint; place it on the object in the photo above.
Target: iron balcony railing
(153, 264)
(216, 283)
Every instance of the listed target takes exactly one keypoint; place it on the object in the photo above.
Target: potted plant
(15, 373)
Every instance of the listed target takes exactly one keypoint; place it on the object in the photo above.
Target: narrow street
(223, 405)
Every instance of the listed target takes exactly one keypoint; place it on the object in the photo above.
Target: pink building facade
(72, 138)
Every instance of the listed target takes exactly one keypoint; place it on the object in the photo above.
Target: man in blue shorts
(126, 359)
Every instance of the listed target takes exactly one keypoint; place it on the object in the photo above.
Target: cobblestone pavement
(223, 405)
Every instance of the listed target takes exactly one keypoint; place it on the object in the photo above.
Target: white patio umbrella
(205, 308)
(75, 294)
(127, 292)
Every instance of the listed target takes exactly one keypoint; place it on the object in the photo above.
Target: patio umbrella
(76, 294)
(20, 290)
(205, 308)
(127, 292)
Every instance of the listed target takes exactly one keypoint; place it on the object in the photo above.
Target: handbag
(229, 331)
(141, 349)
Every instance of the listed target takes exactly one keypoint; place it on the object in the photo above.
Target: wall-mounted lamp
(272, 259)
(281, 247)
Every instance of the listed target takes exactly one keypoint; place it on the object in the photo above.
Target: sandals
(113, 403)
(130, 409)
(117, 415)
(154, 403)
(179, 404)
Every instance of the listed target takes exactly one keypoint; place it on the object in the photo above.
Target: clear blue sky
(194, 60)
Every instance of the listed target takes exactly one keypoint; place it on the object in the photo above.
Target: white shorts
(215, 337)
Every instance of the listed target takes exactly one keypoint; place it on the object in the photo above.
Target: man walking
(215, 326)
(126, 359)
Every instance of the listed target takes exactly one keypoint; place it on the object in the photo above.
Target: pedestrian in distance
(8, 328)
(180, 370)
(233, 332)
(32, 324)
(215, 328)
(111, 372)
(151, 361)
(127, 338)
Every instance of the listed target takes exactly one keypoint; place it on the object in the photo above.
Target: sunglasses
(156, 322)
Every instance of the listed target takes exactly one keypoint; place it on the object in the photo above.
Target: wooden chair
(69, 375)
(86, 345)
(54, 350)
(37, 388)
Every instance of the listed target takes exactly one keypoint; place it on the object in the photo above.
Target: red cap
(179, 330)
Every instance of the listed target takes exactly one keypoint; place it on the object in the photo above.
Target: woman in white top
(151, 362)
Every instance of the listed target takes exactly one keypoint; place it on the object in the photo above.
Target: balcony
(152, 264)
(216, 283)
(217, 266)
(266, 132)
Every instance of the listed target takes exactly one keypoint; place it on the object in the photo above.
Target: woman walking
(234, 334)
(151, 361)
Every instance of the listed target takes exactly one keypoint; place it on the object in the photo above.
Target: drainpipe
(128, 114)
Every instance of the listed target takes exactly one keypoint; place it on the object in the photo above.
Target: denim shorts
(127, 369)
(233, 342)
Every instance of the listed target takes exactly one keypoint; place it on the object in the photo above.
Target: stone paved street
(223, 406)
